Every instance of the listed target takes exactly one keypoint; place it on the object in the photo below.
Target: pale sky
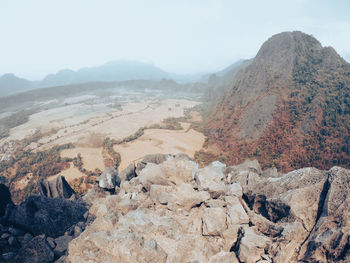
(181, 36)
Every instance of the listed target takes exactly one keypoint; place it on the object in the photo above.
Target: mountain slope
(10, 84)
(290, 108)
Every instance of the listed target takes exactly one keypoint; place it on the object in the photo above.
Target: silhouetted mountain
(290, 108)
(10, 84)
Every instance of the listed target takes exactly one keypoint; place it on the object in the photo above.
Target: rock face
(5, 199)
(58, 188)
(175, 212)
(43, 215)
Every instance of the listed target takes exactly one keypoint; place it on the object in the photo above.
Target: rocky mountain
(289, 108)
(10, 84)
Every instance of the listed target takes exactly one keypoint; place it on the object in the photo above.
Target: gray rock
(37, 250)
(58, 188)
(77, 231)
(150, 158)
(109, 179)
(128, 173)
(51, 242)
(62, 245)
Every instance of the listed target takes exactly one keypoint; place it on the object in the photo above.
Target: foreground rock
(5, 199)
(43, 215)
(169, 210)
(58, 188)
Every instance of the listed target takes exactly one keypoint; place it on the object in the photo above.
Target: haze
(40, 37)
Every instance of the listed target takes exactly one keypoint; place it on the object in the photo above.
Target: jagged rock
(43, 215)
(214, 221)
(211, 179)
(150, 158)
(250, 246)
(58, 188)
(61, 245)
(235, 211)
(5, 199)
(37, 250)
(224, 257)
(128, 173)
(330, 238)
(181, 197)
(175, 212)
(91, 196)
(51, 242)
(109, 179)
(234, 189)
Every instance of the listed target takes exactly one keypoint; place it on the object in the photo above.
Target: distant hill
(10, 84)
(289, 108)
(120, 70)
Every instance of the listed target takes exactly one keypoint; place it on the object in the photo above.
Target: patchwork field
(82, 123)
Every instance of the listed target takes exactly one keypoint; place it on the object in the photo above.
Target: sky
(39, 37)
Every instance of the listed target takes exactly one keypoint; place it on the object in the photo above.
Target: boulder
(43, 215)
(235, 211)
(62, 245)
(211, 179)
(128, 173)
(181, 197)
(150, 158)
(109, 179)
(5, 198)
(37, 250)
(58, 188)
(250, 245)
(214, 221)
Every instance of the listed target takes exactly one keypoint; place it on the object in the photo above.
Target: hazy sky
(182, 36)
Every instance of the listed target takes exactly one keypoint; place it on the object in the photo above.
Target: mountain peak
(291, 100)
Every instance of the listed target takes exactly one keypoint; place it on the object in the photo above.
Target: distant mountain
(10, 84)
(120, 70)
(289, 108)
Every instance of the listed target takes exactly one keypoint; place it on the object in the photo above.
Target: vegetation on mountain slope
(290, 108)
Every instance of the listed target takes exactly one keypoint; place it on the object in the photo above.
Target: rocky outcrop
(5, 198)
(175, 211)
(58, 188)
(42, 215)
